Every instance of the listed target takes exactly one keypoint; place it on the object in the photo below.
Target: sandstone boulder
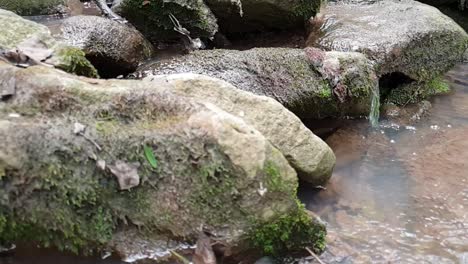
(405, 36)
(311, 83)
(89, 164)
(312, 159)
(113, 48)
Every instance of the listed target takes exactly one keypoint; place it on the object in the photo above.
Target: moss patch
(73, 60)
(417, 91)
(31, 7)
(153, 18)
(289, 233)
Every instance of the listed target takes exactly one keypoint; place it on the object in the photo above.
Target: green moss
(153, 19)
(325, 92)
(73, 60)
(275, 181)
(306, 9)
(31, 7)
(438, 86)
(417, 91)
(213, 187)
(107, 128)
(289, 233)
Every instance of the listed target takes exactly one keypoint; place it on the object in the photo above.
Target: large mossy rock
(237, 16)
(404, 37)
(312, 159)
(32, 38)
(152, 18)
(113, 48)
(311, 83)
(33, 7)
(92, 164)
(204, 18)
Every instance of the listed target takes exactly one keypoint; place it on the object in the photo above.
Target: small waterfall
(374, 113)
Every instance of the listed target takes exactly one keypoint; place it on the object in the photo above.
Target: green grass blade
(150, 157)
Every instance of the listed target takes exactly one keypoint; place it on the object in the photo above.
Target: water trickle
(374, 113)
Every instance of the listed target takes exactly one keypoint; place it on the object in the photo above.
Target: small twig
(92, 141)
(180, 257)
(102, 4)
(313, 255)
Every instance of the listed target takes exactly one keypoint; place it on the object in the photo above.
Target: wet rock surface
(113, 48)
(310, 83)
(408, 37)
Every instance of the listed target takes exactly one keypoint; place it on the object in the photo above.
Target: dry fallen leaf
(126, 173)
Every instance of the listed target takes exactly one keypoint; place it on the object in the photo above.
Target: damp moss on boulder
(312, 84)
(289, 233)
(60, 187)
(153, 18)
(18, 33)
(415, 92)
(33, 7)
(73, 60)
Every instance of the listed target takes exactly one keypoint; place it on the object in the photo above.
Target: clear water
(399, 193)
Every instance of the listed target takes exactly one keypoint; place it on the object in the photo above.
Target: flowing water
(399, 193)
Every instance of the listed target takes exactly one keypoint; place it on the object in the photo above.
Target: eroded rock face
(311, 83)
(113, 48)
(34, 7)
(308, 154)
(188, 164)
(24, 36)
(408, 37)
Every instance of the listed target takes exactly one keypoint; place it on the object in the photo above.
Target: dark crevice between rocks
(391, 81)
(263, 39)
(108, 68)
(324, 128)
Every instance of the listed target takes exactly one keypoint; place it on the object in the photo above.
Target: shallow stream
(399, 193)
